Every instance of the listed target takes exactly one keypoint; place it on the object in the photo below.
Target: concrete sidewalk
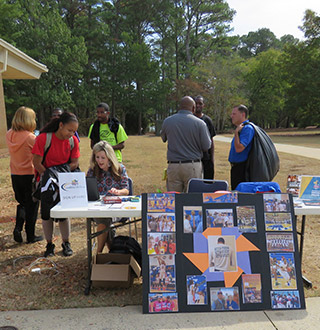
(287, 148)
(131, 317)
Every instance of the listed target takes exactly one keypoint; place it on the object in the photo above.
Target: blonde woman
(112, 180)
(20, 141)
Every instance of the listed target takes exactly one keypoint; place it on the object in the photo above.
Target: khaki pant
(178, 175)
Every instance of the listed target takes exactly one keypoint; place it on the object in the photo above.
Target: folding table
(126, 209)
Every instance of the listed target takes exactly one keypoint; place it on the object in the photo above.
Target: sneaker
(17, 236)
(49, 250)
(66, 249)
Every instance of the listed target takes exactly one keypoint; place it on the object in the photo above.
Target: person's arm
(119, 192)
(118, 146)
(163, 133)
(37, 163)
(205, 139)
(74, 163)
(212, 150)
(239, 147)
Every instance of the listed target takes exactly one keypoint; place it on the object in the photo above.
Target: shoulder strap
(71, 141)
(47, 145)
(114, 124)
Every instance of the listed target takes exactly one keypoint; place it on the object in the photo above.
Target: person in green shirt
(108, 129)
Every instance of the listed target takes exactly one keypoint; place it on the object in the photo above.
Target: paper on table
(115, 206)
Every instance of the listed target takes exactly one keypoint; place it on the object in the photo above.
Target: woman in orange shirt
(20, 140)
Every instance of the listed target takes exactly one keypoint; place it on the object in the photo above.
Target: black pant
(27, 210)
(208, 169)
(238, 174)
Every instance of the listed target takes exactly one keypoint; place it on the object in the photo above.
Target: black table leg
(306, 282)
(89, 247)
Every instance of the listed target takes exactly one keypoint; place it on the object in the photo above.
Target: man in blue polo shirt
(240, 145)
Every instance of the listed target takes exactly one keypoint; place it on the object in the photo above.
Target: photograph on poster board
(228, 197)
(281, 242)
(161, 243)
(309, 191)
(224, 299)
(282, 269)
(161, 222)
(278, 221)
(285, 299)
(293, 184)
(219, 218)
(164, 203)
(222, 253)
(196, 289)
(192, 219)
(246, 219)
(251, 288)
(276, 203)
(162, 273)
(163, 302)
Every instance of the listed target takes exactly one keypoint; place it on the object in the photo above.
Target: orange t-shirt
(20, 144)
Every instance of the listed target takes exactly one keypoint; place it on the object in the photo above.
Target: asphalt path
(287, 148)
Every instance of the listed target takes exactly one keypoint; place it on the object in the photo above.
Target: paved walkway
(287, 148)
(131, 317)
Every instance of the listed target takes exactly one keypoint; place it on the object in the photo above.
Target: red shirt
(59, 151)
(170, 305)
(172, 248)
(157, 306)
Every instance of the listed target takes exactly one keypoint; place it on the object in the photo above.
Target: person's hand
(114, 191)
(239, 128)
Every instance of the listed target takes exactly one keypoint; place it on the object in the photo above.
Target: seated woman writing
(112, 180)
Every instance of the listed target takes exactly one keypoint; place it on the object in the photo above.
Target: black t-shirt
(212, 132)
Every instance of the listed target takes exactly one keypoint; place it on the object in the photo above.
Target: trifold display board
(220, 252)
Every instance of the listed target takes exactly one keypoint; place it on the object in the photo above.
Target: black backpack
(126, 245)
(263, 161)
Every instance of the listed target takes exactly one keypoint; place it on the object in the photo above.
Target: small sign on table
(73, 189)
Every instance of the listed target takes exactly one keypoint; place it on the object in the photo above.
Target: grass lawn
(145, 159)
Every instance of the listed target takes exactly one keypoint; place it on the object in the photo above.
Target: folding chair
(206, 185)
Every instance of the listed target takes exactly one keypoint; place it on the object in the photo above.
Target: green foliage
(141, 57)
(266, 88)
(222, 87)
(257, 42)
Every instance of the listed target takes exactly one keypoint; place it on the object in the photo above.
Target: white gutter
(5, 62)
(8, 47)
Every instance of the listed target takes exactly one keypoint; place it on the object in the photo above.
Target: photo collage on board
(219, 272)
(280, 246)
(161, 243)
(221, 251)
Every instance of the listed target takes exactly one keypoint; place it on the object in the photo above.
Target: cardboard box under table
(114, 270)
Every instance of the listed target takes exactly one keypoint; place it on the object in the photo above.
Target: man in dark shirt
(208, 156)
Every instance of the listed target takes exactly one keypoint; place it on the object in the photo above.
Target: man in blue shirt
(240, 145)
